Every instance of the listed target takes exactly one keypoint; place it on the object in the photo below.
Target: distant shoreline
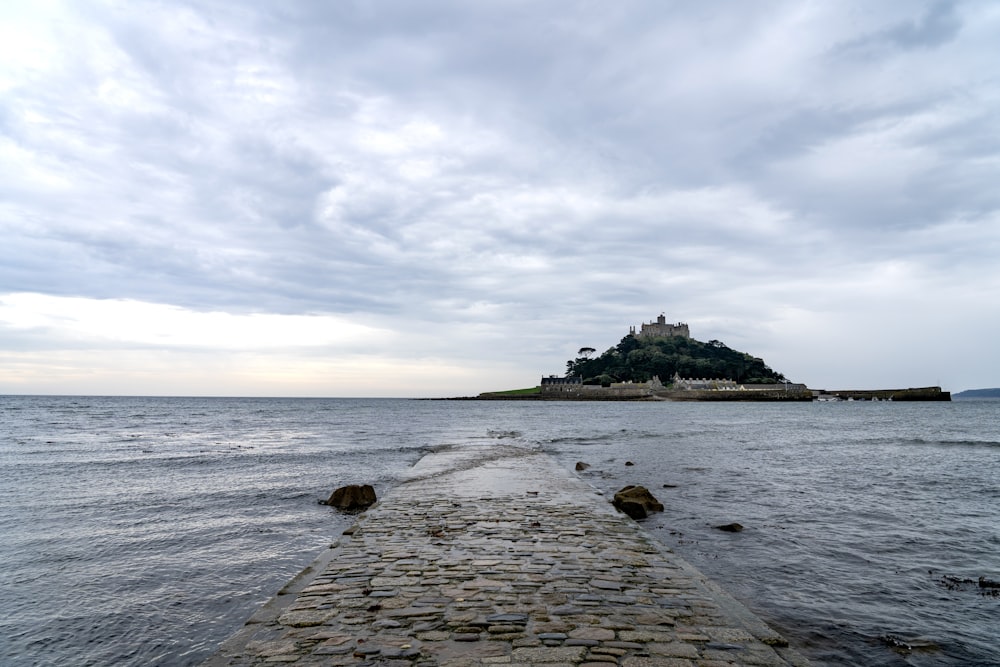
(910, 394)
(993, 393)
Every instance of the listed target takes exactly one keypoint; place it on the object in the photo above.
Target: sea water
(144, 531)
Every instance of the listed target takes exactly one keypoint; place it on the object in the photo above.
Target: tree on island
(639, 359)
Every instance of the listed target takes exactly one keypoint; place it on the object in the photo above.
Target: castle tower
(661, 329)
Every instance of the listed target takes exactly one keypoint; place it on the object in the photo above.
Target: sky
(441, 198)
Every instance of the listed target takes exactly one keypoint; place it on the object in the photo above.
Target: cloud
(131, 323)
(494, 185)
(59, 344)
(938, 24)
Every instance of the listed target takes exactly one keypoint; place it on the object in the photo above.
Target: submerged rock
(730, 527)
(637, 502)
(904, 646)
(352, 497)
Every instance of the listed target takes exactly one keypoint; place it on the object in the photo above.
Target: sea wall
(911, 394)
(644, 392)
(587, 392)
(748, 395)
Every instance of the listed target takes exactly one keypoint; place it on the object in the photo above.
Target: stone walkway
(498, 556)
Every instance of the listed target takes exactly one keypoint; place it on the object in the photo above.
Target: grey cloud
(578, 158)
(938, 24)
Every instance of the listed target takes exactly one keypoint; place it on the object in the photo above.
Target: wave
(950, 443)
(500, 434)
(578, 440)
(909, 441)
(967, 443)
(605, 438)
(203, 454)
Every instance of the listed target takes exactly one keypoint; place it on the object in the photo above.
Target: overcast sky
(398, 198)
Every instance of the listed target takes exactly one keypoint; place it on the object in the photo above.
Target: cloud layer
(451, 197)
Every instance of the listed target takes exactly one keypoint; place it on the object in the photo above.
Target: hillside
(978, 393)
(639, 359)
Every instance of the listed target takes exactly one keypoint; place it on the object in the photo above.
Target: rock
(580, 465)
(905, 646)
(629, 463)
(730, 527)
(352, 497)
(519, 619)
(637, 502)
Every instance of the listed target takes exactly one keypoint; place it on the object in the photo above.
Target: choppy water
(144, 531)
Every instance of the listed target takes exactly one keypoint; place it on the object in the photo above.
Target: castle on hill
(661, 329)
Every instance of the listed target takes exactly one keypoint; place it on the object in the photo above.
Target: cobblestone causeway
(499, 556)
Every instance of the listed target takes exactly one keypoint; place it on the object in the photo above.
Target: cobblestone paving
(498, 556)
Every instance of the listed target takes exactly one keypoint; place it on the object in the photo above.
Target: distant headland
(661, 361)
(979, 393)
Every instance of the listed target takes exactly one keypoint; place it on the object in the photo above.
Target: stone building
(573, 388)
(555, 380)
(704, 384)
(661, 329)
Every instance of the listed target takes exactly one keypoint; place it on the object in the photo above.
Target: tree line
(639, 359)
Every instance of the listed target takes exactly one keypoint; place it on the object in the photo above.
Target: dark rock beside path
(352, 497)
(637, 502)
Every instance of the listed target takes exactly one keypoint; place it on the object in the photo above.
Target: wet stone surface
(497, 556)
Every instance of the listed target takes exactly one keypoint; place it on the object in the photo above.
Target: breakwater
(496, 555)
(910, 394)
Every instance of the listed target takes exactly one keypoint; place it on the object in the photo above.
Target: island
(661, 361)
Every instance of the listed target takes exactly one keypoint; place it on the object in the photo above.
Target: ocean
(144, 531)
